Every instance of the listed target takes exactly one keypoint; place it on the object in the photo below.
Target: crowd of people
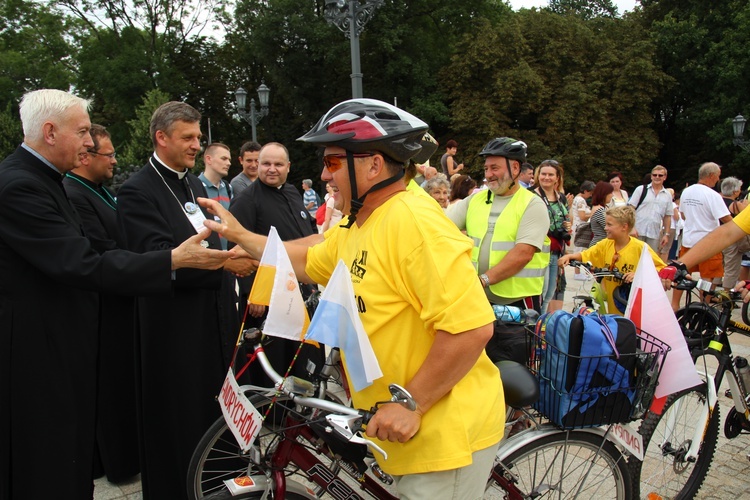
(141, 304)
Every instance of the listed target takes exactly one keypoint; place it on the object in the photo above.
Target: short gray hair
(437, 182)
(307, 182)
(39, 106)
(170, 112)
(730, 185)
(707, 169)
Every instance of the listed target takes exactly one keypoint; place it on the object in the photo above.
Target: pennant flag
(336, 323)
(678, 371)
(276, 286)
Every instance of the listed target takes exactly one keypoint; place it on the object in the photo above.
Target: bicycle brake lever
(348, 426)
(360, 440)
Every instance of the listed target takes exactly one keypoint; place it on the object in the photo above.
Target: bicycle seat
(520, 386)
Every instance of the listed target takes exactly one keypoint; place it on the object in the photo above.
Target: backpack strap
(644, 192)
(598, 347)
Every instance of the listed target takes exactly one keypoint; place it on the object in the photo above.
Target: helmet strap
(356, 202)
(360, 200)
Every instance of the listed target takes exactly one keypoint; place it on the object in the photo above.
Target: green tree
(573, 89)
(139, 147)
(585, 9)
(11, 134)
(36, 50)
(306, 61)
(703, 47)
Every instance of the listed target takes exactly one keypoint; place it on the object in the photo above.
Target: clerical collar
(179, 174)
(42, 158)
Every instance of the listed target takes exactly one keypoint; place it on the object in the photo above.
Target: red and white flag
(657, 319)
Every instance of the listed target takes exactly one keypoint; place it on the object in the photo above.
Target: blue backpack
(585, 365)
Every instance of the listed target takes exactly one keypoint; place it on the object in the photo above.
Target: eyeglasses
(111, 155)
(554, 163)
(658, 175)
(333, 161)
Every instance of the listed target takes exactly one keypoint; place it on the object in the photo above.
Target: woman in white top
(619, 195)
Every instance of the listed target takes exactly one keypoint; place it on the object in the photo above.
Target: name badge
(195, 216)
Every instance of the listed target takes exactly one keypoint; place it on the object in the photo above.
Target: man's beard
(502, 187)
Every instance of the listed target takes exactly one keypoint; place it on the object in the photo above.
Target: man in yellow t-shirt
(419, 301)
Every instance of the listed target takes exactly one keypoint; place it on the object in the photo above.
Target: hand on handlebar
(743, 287)
(393, 422)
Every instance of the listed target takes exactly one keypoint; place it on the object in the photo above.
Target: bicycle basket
(589, 391)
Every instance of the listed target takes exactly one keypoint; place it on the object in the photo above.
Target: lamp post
(253, 117)
(738, 126)
(350, 17)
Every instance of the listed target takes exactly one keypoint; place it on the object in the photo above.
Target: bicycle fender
(263, 484)
(514, 443)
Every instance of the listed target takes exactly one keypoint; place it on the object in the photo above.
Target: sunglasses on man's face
(333, 161)
(658, 175)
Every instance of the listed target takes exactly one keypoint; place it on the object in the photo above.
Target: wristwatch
(485, 280)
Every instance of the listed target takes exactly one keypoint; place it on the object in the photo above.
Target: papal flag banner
(276, 286)
(336, 323)
(649, 308)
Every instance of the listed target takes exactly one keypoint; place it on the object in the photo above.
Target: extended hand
(241, 265)
(393, 422)
(229, 228)
(192, 254)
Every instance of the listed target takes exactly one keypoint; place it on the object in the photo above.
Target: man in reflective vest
(508, 225)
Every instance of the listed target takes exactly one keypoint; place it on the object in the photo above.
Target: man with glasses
(702, 209)
(653, 210)
(418, 298)
(116, 432)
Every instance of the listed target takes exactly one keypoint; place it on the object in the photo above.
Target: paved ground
(728, 477)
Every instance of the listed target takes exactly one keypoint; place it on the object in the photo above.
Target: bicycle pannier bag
(586, 368)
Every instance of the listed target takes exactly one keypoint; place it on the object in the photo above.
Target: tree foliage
(139, 146)
(574, 80)
(572, 89)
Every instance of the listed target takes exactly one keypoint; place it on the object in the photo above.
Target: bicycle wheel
(572, 464)
(218, 457)
(665, 471)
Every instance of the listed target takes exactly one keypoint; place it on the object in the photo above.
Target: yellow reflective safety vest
(530, 280)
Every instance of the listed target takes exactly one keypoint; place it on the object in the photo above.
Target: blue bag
(585, 365)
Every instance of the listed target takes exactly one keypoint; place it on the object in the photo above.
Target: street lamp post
(738, 126)
(253, 117)
(351, 17)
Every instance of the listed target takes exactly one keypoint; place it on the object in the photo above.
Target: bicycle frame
(290, 450)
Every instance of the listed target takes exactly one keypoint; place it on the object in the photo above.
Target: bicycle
(680, 442)
(318, 440)
(592, 296)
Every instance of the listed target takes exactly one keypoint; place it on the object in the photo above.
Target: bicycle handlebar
(598, 272)
(345, 420)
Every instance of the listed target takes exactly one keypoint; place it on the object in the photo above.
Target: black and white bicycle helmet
(429, 146)
(364, 125)
(506, 147)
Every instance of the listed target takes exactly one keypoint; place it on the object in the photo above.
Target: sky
(622, 5)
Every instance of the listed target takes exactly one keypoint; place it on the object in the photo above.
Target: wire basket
(589, 391)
